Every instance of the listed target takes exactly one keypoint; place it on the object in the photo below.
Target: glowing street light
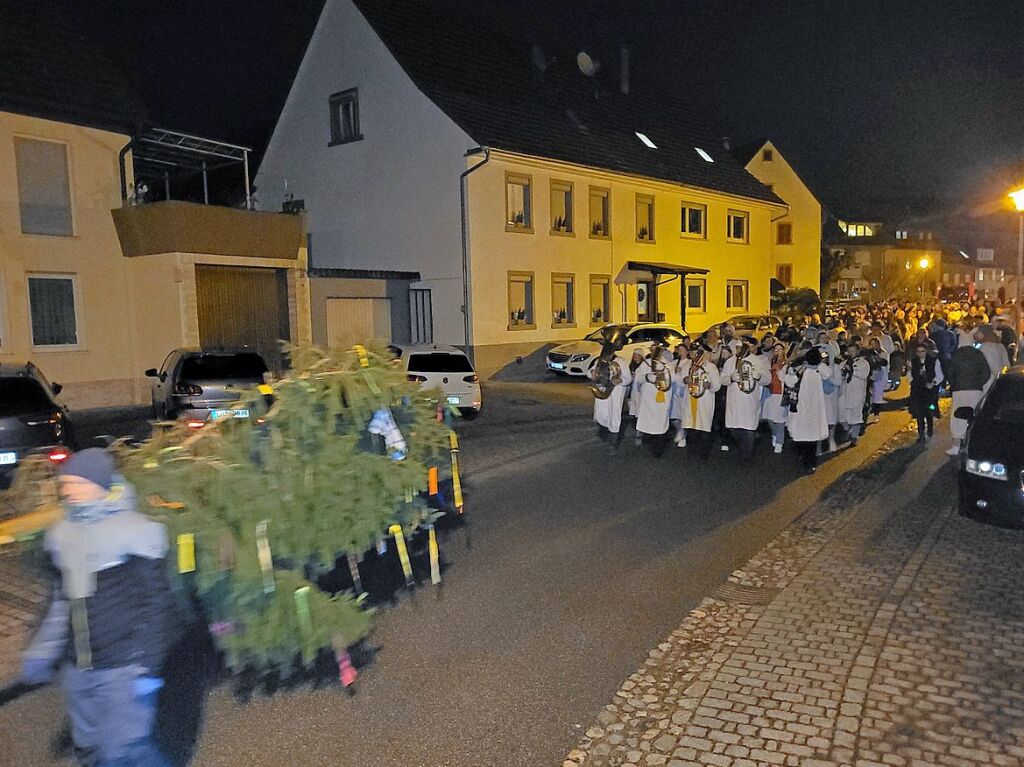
(1018, 202)
(924, 263)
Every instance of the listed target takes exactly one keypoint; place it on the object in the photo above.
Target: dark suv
(31, 419)
(197, 386)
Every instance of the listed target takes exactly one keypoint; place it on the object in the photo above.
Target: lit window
(51, 300)
(563, 300)
(520, 301)
(767, 155)
(737, 223)
(704, 155)
(561, 207)
(345, 117)
(691, 219)
(44, 191)
(736, 295)
(518, 205)
(784, 233)
(644, 218)
(784, 274)
(646, 141)
(901, 234)
(696, 295)
(600, 299)
(600, 212)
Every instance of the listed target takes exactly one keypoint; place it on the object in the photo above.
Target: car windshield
(744, 323)
(1005, 403)
(246, 366)
(598, 335)
(22, 396)
(439, 362)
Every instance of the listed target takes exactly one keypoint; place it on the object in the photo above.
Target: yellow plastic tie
(186, 553)
(435, 558)
(403, 553)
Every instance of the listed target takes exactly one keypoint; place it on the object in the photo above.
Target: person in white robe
(743, 408)
(698, 412)
(608, 412)
(830, 387)
(808, 424)
(853, 390)
(680, 371)
(636, 360)
(773, 410)
(653, 409)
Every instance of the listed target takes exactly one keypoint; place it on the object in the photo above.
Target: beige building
(796, 236)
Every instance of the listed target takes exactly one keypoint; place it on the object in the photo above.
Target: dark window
(248, 366)
(345, 117)
(44, 190)
(22, 396)
(439, 362)
(52, 304)
(1005, 402)
(767, 155)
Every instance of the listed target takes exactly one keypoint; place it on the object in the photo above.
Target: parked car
(576, 358)
(445, 368)
(198, 385)
(991, 476)
(32, 419)
(756, 325)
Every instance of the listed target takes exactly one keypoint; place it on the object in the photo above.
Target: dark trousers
(702, 440)
(808, 454)
(657, 443)
(743, 439)
(925, 424)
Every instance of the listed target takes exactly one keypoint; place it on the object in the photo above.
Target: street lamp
(1018, 201)
(923, 265)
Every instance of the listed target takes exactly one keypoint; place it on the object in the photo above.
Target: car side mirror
(964, 413)
(57, 388)
(152, 373)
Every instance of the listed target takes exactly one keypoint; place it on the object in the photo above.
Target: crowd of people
(819, 381)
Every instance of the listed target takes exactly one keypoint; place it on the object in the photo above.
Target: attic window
(344, 107)
(705, 155)
(647, 142)
(767, 155)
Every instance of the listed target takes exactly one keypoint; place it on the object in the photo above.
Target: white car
(577, 357)
(445, 368)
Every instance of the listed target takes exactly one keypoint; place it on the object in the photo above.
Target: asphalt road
(573, 566)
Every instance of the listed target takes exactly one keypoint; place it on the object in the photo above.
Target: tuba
(660, 374)
(745, 368)
(606, 373)
(697, 380)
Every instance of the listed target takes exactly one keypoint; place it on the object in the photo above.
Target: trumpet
(660, 374)
(697, 380)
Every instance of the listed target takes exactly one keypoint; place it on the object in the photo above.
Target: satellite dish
(539, 60)
(586, 64)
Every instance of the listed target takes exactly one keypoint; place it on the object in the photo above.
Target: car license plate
(215, 414)
(556, 366)
(453, 400)
(8, 459)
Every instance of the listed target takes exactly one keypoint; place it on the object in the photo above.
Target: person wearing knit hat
(107, 628)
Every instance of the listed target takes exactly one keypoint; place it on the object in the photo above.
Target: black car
(31, 419)
(992, 459)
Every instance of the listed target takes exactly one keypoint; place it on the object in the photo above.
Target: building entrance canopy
(646, 271)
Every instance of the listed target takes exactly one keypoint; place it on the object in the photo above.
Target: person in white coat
(773, 410)
(808, 424)
(636, 360)
(995, 352)
(608, 412)
(853, 390)
(744, 376)
(698, 412)
(682, 367)
(653, 410)
(830, 388)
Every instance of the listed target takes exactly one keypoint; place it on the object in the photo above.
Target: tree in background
(833, 262)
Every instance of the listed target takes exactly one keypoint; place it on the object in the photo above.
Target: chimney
(726, 144)
(624, 69)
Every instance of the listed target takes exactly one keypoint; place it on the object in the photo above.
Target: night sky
(873, 100)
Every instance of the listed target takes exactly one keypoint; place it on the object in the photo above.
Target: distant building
(524, 198)
(795, 236)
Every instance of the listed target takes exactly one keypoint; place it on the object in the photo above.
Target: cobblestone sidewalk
(885, 631)
(23, 596)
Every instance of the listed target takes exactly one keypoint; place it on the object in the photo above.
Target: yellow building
(796, 236)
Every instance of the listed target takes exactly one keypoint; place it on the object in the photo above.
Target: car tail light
(190, 390)
(472, 379)
(193, 423)
(58, 455)
(416, 378)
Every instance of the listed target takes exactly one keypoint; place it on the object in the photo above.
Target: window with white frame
(644, 218)
(520, 301)
(44, 187)
(738, 223)
(53, 309)
(691, 219)
(563, 300)
(600, 299)
(696, 295)
(600, 212)
(344, 107)
(561, 207)
(736, 295)
(518, 205)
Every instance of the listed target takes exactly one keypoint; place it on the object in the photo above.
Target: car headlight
(989, 469)
(578, 357)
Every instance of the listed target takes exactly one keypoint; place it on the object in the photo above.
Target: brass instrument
(660, 374)
(697, 380)
(606, 373)
(745, 368)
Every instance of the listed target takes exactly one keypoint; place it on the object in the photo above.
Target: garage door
(243, 306)
(357, 320)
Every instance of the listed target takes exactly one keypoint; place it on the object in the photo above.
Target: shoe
(725, 448)
(921, 439)
(680, 437)
(680, 443)
(832, 446)
(777, 449)
(955, 450)
(853, 442)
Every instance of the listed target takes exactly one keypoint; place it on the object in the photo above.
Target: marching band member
(830, 388)
(653, 379)
(635, 362)
(774, 411)
(608, 411)
(743, 378)
(682, 368)
(807, 423)
(722, 344)
(853, 390)
(698, 410)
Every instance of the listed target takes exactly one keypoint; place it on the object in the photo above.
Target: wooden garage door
(243, 306)
(357, 320)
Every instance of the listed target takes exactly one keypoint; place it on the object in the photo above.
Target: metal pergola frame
(161, 154)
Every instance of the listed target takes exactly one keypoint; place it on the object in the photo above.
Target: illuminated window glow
(647, 142)
(705, 155)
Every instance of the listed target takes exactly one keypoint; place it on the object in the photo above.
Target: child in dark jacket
(107, 629)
